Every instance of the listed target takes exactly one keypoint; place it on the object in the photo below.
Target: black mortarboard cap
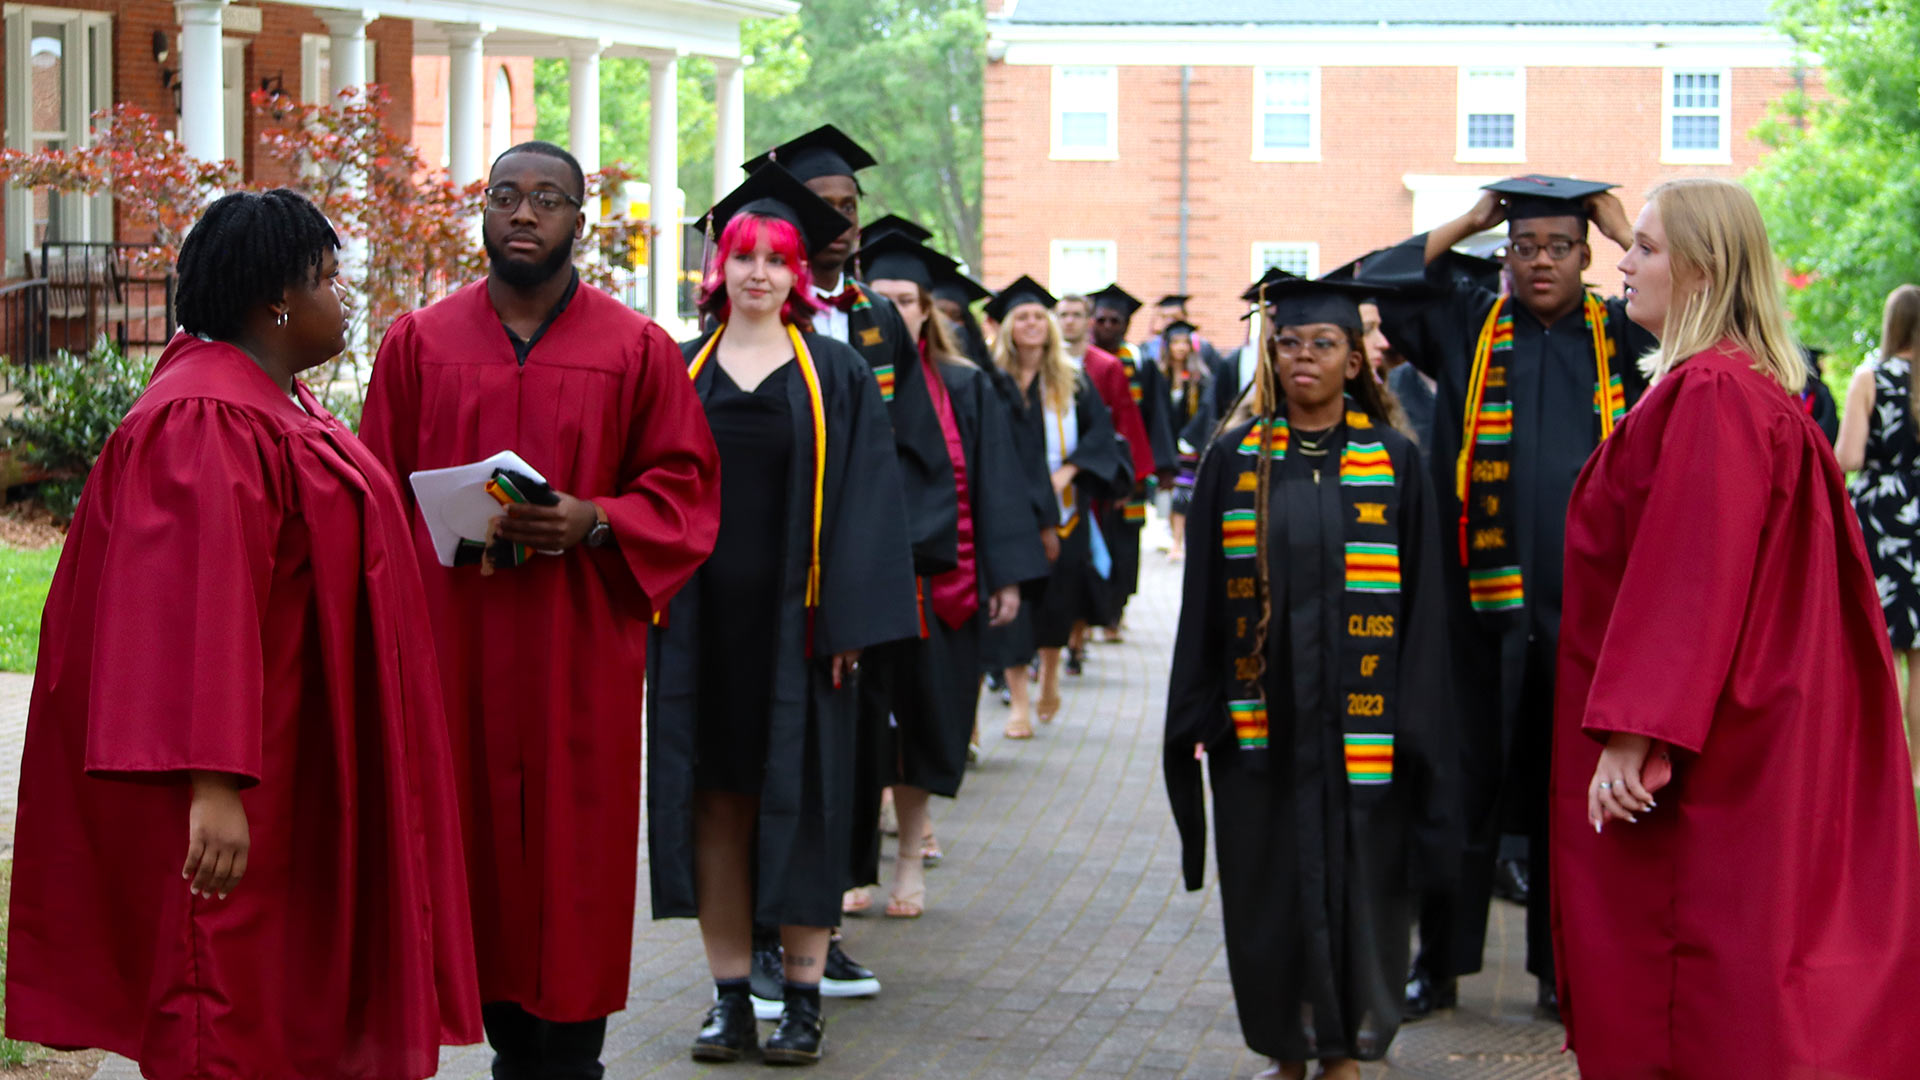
(1536, 196)
(775, 192)
(959, 288)
(898, 257)
(1172, 299)
(1117, 298)
(1299, 302)
(1024, 291)
(1178, 326)
(1273, 276)
(894, 223)
(824, 151)
(1473, 269)
(1351, 271)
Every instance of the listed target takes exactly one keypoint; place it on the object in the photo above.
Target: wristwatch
(602, 532)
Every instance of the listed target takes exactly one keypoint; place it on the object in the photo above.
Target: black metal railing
(123, 292)
(23, 325)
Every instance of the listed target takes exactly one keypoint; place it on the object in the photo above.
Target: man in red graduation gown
(543, 662)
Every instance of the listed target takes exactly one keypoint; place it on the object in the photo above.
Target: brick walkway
(1058, 942)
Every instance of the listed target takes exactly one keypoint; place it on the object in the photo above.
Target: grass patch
(24, 579)
(12, 1054)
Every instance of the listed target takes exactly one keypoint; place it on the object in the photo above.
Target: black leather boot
(1426, 993)
(802, 1033)
(729, 1033)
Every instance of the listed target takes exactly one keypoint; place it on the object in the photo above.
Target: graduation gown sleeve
(1196, 692)
(1006, 536)
(926, 472)
(1426, 717)
(1110, 379)
(1154, 414)
(1105, 470)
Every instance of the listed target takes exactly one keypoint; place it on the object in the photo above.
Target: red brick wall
(1377, 125)
(275, 51)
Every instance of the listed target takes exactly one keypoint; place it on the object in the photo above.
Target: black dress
(740, 583)
(1886, 497)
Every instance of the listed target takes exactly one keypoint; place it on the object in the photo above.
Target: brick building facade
(1309, 142)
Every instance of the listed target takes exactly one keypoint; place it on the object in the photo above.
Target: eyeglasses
(505, 200)
(1326, 348)
(1555, 249)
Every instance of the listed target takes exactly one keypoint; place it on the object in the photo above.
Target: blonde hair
(1900, 333)
(1057, 376)
(1716, 238)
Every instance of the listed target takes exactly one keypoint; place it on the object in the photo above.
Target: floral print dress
(1886, 496)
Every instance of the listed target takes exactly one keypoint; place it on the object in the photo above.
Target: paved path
(1058, 941)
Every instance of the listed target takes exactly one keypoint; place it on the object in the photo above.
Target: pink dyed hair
(743, 233)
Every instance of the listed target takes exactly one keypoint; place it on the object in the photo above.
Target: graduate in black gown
(1061, 413)
(1310, 653)
(1549, 368)
(1193, 386)
(829, 162)
(752, 667)
(1000, 550)
(1123, 525)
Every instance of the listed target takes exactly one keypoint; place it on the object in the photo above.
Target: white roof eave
(544, 27)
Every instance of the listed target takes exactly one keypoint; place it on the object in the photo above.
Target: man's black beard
(519, 274)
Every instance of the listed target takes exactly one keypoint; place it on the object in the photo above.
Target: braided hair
(245, 251)
(1373, 399)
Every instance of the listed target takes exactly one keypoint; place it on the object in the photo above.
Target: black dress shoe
(1426, 993)
(1547, 1005)
(842, 978)
(729, 1033)
(1510, 880)
(1075, 662)
(801, 1034)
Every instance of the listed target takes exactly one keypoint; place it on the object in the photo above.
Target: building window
(1086, 106)
(1286, 114)
(316, 68)
(59, 73)
(1081, 266)
(1493, 114)
(1695, 117)
(1299, 259)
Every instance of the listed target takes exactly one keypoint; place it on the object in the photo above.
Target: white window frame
(315, 48)
(1108, 151)
(1685, 156)
(1060, 282)
(89, 89)
(1263, 152)
(1464, 107)
(1262, 248)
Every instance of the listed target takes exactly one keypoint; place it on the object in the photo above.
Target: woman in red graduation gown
(1736, 870)
(235, 671)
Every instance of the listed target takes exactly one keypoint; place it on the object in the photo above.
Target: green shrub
(69, 405)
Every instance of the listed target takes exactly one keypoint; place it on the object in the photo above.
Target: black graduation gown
(1149, 388)
(1010, 646)
(1317, 876)
(1505, 676)
(939, 687)
(866, 599)
(879, 335)
(1074, 590)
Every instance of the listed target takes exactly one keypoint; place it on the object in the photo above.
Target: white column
(730, 124)
(203, 118)
(583, 110)
(663, 179)
(466, 100)
(346, 49)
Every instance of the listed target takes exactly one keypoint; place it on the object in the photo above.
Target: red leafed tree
(411, 234)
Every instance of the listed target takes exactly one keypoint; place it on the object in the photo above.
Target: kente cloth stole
(1483, 474)
(1369, 606)
(1133, 511)
(816, 404)
(882, 373)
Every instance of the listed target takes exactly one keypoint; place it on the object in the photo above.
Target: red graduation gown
(236, 594)
(544, 663)
(1109, 377)
(1764, 919)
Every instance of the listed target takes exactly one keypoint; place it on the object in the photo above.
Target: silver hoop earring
(280, 319)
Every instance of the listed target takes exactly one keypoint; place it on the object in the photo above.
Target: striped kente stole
(1369, 597)
(1134, 510)
(1483, 474)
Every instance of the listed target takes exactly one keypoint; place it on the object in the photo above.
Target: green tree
(901, 76)
(1841, 190)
